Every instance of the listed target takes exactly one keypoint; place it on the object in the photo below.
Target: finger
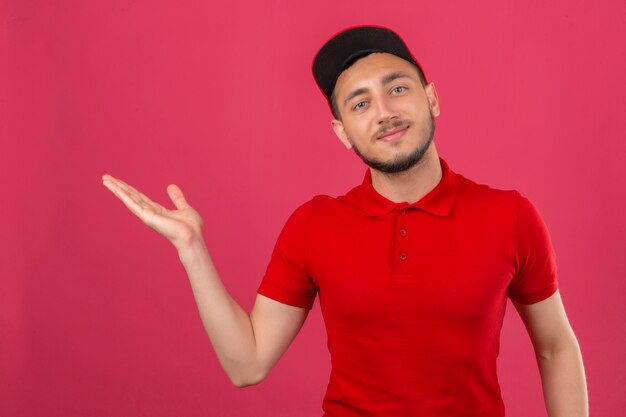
(130, 202)
(132, 190)
(120, 189)
(176, 194)
(137, 196)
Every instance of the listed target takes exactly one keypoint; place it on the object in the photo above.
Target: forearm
(227, 324)
(229, 327)
(563, 382)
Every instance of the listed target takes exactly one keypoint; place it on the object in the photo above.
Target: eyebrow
(385, 80)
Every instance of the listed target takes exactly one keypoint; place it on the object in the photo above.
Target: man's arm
(247, 346)
(558, 357)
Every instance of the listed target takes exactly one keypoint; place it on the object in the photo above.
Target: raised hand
(180, 226)
(247, 346)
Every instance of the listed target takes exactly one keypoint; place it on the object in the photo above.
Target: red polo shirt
(413, 295)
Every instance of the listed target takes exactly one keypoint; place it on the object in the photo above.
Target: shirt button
(402, 256)
(402, 212)
(402, 232)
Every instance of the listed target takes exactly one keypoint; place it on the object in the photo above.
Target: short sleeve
(286, 279)
(535, 276)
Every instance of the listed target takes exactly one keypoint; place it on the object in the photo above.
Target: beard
(402, 162)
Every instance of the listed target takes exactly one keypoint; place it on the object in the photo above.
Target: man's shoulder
(324, 203)
(474, 196)
(482, 191)
(323, 207)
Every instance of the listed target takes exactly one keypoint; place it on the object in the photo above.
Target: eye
(399, 89)
(360, 105)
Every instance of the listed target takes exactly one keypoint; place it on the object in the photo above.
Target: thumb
(177, 196)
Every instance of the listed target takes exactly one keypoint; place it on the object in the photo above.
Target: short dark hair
(333, 98)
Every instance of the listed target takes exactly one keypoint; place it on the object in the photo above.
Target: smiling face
(387, 115)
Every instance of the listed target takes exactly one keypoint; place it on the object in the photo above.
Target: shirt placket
(404, 256)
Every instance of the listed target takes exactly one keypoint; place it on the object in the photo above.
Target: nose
(385, 110)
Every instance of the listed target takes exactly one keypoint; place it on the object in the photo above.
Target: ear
(433, 99)
(340, 131)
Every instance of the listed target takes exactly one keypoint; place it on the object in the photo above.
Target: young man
(413, 267)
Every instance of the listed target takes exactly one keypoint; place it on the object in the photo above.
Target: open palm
(179, 226)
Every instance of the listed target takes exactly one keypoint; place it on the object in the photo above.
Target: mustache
(389, 126)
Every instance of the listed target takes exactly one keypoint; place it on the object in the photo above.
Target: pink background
(96, 314)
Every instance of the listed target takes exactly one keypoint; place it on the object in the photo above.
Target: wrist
(191, 249)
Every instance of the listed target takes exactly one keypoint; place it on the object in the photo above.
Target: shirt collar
(438, 201)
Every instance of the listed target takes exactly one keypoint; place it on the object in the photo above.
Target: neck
(410, 185)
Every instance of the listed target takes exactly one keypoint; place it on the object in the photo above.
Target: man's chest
(411, 264)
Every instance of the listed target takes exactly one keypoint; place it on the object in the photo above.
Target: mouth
(393, 134)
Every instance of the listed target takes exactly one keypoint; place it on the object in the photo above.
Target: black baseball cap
(343, 49)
